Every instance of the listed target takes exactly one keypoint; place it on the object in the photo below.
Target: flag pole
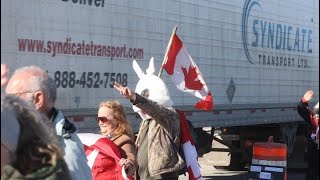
(167, 50)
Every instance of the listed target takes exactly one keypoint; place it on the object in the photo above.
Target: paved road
(240, 175)
(209, 172)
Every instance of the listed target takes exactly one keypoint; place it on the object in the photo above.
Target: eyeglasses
(103, 119)
(19, 94)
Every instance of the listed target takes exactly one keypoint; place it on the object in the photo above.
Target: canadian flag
(189, 149)
(185, 73)
(98, 147)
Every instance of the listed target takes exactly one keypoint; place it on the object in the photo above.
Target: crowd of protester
(39, 142)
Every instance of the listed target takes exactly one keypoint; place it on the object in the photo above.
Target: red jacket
(106, 164)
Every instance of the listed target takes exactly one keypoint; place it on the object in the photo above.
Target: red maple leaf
(190, 78)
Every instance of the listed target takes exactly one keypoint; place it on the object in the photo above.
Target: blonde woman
(113, 124)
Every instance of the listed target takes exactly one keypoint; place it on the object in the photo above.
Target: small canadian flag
(185, 73)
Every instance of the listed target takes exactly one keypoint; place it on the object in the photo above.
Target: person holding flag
(158, 139)
(186, 75)
(164, 130)
(104, 157)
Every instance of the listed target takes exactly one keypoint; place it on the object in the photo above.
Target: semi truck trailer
(257, 57)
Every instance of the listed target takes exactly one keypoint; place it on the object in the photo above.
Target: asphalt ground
(209, 172)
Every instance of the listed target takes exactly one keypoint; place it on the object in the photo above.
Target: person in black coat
(312, 118)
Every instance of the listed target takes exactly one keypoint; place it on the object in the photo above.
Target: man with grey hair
(33, 85)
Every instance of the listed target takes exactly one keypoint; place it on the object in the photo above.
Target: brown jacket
(127, 150)
(163, 137)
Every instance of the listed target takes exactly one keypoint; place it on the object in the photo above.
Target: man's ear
(39, 99)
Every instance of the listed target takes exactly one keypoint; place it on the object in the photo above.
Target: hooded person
(29, 148)
(311, 116)
(159, 132)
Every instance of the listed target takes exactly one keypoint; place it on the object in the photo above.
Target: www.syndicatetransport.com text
(82, 48)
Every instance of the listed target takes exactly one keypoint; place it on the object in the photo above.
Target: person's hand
(308, 95)
(124, 91)
(125, 162)
(4, 78)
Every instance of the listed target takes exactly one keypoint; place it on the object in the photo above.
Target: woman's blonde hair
(37, 145)
(119, 114)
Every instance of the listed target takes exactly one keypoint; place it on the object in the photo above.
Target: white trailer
(258, 57)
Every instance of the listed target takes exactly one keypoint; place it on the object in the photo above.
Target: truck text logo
(80, 48)
(275, 43)
(97, 3)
